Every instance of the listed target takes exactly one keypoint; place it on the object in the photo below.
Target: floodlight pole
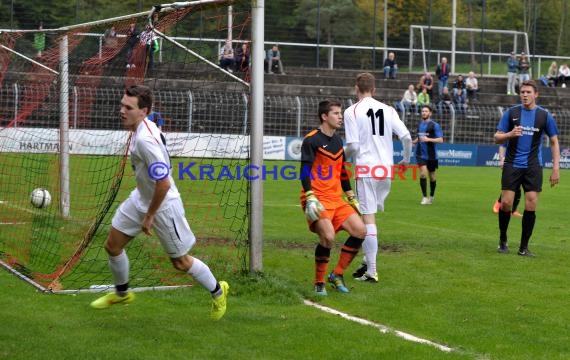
(385, 29)
(230, 23)
(256, 136)
(453, 35)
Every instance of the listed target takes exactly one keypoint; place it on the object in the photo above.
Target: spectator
(242, 58)
(40, 40)
(459, 94)
(426, 81)
(227, 61)
(445, 101)
(552, 75)
(524, 68)
(564, 75)
(410, 100)
(424, 98)
(132, 39)
(472, 86)
(110, 37)
(512, 68)
(390, 66)
(156, 118)
(274, 59)
(442, 73)
(148, 39)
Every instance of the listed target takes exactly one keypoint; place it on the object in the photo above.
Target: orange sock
(347, 254)
(322, 256)
(321, 265)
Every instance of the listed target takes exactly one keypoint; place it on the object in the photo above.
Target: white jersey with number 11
(371, 123)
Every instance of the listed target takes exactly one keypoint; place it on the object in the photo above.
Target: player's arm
(307, 160)
(437, 136)
(306, 167)
(502, 150)
(152, 154)
(437, 140)
(502, 137)
(351, 149)
(351, 198)
(555, 148)
(504, 133)
(161, 187)
(313, 206)
(351, 134)
(407, 149)
(400, 129)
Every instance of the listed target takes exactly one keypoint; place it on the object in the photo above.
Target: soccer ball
(40, 198)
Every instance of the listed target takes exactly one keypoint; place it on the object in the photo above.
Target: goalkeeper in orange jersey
(324, 179)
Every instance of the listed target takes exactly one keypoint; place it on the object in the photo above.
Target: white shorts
(372, 193)
(170, 225)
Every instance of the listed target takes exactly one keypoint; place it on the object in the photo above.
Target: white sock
(119, 266)
(201, 272)
(370, 248)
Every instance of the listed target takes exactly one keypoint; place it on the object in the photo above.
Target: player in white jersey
(154, 204)
(369, 127)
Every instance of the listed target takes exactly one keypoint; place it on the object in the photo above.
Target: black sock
(528, 220)
(423, 186)
(122, 289)
(504, 218)
(432, 185)
(216, 290)
(516, 200)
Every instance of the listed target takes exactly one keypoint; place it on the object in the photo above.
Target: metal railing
(223, 112)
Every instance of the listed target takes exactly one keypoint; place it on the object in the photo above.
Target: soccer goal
(60, 130)
(462, 45)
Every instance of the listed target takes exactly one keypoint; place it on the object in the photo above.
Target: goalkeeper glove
(353, 201)
(313, 207)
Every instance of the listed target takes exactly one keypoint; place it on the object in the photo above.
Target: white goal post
(516, 35)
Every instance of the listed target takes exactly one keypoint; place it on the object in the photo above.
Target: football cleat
(525, 252)
(110, 299)
(219, 303)
(503, 248)
(320, 289)
(337, 282)
(360, 271)
(425, 201)
(368, 278)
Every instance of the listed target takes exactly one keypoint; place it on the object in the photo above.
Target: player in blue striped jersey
(523, 127)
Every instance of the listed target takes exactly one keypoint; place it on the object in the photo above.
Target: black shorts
(431, 164)
(530, 178)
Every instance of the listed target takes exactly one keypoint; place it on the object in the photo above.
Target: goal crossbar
(454, 30)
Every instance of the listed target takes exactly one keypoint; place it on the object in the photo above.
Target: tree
(341, 22)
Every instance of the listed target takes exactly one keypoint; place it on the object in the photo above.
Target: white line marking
(12, 223)
(382, 328)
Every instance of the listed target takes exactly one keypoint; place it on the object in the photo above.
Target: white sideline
(382, 328)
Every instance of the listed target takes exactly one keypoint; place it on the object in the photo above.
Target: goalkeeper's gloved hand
(352, 200)
(313, 207)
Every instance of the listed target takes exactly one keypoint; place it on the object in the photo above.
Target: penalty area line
(382, 328)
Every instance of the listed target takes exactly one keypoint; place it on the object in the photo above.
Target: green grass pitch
(441, 279)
